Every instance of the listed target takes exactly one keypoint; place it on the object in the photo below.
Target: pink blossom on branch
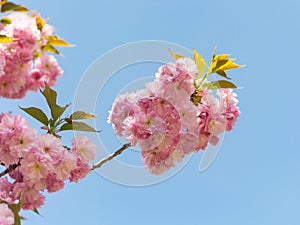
(42, 162)
(24, 65)
(6, 215)
(165, 123)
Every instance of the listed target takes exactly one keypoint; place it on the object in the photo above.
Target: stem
(203, 78)
(111, 156)
(10, 169)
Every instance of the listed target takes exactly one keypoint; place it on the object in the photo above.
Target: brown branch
(111, 156)
(9, 169)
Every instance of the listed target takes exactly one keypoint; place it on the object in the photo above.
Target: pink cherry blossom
(84, 148)
(24, 65)
(29, 195)
(36, 165)
(53, 183)
(65, 164)
(6, 190)
(51, 146)
(81, 170)
(187, 65)
(229, 107)
(6, 215)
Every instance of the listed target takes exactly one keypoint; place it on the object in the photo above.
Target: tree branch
(10, 169)
(111, 156)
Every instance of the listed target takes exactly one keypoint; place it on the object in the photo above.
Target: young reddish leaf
(37, 113)
(4, 38)
(56, 41)
(40, 22)
(230, 65)
(221, 63)
(201, 65)
(80, 115)
(50, 48)
(221, 57)
(175, 55)
(9, 6)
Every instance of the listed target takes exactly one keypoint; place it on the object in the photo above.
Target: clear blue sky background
(255, 178)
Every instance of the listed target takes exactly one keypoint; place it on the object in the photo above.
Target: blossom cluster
(6, 215)
(40, 162)
(165, 123)
(24, 63)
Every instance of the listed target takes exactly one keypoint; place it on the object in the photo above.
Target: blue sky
(255, 178)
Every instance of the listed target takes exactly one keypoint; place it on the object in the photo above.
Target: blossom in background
(165, 123)
(24, 63)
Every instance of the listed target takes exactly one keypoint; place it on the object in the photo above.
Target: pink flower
(6, 215)
(120, 109)
(30, 196)
(84, 148)
(65, 164)
(171, 74)
(211, 120)
(229, 107)
(80, 171)
(165, 123)
(18, 58)
(15, 136)
(6, 190)
(24, 55)
(54, 184)
(187, 65)
(51, 146)
(48, 67)
(36, 165)
(13, 86)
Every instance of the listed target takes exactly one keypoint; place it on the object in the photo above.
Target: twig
(10, 169)
(111, 156)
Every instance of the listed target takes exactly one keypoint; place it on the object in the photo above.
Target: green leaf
(50, 48)
(9, 6)
(222, 62)
(51, 123)
(36, 211)
(50, 96)
(200, 62)
(56, 41)
(79, 126)
(66, 126)
(37, 113)
(222, 73)
(80, 115)
(57, 111)
(175, 55)
(219, 84)
(4, 38)
(5, 21)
